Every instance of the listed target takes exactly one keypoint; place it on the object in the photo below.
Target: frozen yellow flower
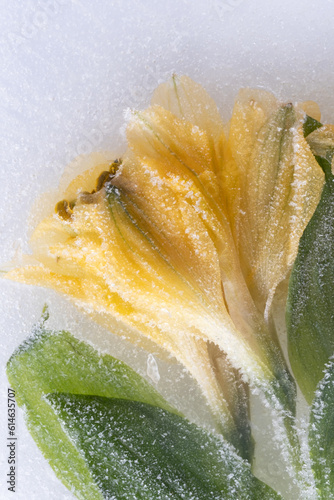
(184, 241)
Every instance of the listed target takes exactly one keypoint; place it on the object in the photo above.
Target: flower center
(64, 208)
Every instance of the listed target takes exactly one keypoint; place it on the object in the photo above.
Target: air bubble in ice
(152, 369)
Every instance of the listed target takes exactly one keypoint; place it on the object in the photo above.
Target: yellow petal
(312, 109)
(164, 183)
(251, 110)
(188, 100)
(280, 187)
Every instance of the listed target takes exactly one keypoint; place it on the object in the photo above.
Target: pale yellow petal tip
(257, 99)
(28, 273)
(189, 100)
(14, 269)
(312, 109)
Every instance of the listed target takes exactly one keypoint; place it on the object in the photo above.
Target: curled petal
(280, 184)
(188, 100)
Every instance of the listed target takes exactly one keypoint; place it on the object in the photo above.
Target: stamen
(65, 209)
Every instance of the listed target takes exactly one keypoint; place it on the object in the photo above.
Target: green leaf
(321, 435)
(325, 165)
(58, 362)
(310, 124)
(310, 318)
(138, 451)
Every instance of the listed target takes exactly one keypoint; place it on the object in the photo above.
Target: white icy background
(68, 71)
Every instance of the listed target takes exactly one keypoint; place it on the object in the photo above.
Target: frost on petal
(161, 184)
(170, 178)
(280, 186)
(188, 100)
(250, 112)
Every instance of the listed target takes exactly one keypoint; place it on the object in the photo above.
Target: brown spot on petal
(64, 209)
(102, 179)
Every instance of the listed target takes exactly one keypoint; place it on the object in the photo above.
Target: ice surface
(69, 70)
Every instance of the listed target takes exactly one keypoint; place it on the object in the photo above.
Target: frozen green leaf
(138, 451)
(310, 124)
(321, 436)
(310, 317)
(57, 362)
